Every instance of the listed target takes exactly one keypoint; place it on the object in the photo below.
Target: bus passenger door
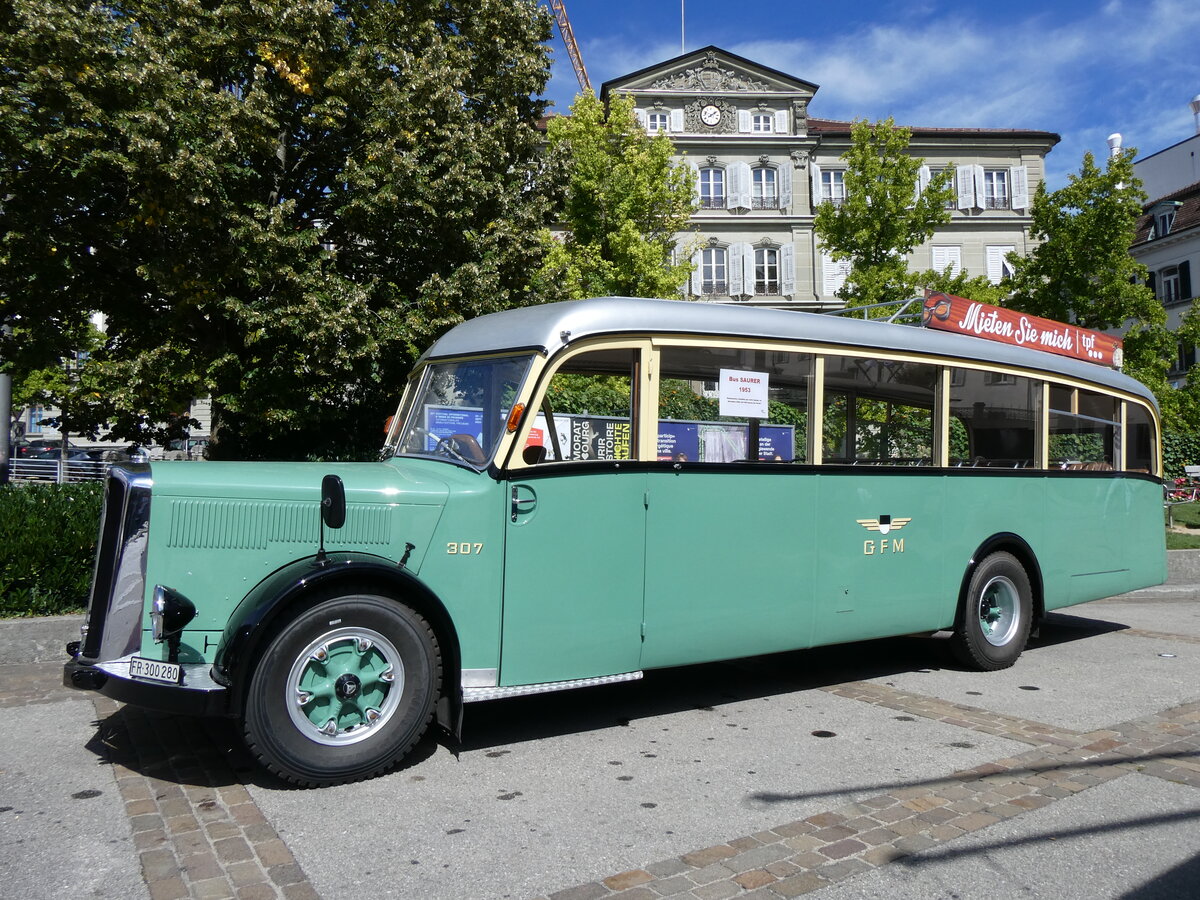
(576, 530)
(730, 533)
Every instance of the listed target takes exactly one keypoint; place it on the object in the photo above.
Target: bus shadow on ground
(188, 750)
(712, 685)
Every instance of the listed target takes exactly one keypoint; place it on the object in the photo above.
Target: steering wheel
(461, 446)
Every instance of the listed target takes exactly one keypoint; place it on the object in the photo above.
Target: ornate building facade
(763, 163)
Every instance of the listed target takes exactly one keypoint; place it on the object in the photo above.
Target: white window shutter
(696, 172)
(965, 178)
(996, 262)
(785, 187)
(740, 185)
(677, 121)
(947, 257)
(781, 122)
(640, 115)
(737, 260)
(697, 277)
(1018, 179)
(814, 172)
(980, 189)
(833, 273)
(787, 270)
(922, 183)
(744, 121)
(747, 270)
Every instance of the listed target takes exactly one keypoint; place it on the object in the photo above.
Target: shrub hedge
(47, 542)
(1180, 449)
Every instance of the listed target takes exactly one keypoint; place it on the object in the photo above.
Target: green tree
(624, 203)
(883, 217)
(1081, 271)
(276, 203)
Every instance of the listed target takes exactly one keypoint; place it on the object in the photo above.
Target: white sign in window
(744, 394)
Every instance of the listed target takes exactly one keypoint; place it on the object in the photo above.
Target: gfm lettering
(882, 546)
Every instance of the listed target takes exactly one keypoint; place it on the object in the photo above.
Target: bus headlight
(170, 613)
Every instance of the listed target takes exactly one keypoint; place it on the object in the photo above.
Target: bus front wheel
(994, 620)
(343, 690)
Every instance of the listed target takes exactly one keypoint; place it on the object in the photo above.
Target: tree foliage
(1081, 271)
(276, 203)
(883, 218)
(624, 203)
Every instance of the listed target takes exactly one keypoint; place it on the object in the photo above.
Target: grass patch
(1177, 541)
(1187, 515)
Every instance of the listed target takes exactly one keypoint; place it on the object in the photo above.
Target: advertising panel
(945, 312)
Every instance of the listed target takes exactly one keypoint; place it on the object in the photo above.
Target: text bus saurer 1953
(575, 493)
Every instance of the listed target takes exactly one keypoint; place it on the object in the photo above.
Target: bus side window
(993, 419)
(1140, 439)
(1085, 429)
(690, 425)
(878, 412)
(587, 413)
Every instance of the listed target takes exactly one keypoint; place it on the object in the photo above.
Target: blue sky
(1082, 70)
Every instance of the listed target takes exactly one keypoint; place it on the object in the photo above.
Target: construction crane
(568, 36)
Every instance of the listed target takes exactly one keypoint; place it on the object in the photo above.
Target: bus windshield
(457, 410)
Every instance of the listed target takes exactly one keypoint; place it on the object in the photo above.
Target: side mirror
(333, 501)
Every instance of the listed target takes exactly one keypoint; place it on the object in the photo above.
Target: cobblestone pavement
(199, 834)
(800, 857)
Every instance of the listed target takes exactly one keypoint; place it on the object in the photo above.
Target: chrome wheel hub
(344, 686)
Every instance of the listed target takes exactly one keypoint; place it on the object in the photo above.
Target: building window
(36, 414)
(766, 194)
(951, 201)
(714, 272)
(1185, 359)
(762, 123)
(657, 122)
(1168, 285)
(995, 189)
(833, 186)
(766, 270)
(1163, 222)
(712, 188)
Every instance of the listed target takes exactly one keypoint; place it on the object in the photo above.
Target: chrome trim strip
(476, 694)
(480, 678)
(196, 676)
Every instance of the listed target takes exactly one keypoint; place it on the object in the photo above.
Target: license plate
(154, 670)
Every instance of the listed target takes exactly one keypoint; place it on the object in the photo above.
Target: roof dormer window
(1162, 218)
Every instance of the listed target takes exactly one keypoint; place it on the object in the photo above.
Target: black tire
(995, 615)
(343, 690)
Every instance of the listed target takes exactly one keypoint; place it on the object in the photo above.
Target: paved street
(866, 770)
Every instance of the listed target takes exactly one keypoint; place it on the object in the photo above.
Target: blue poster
(443, 421)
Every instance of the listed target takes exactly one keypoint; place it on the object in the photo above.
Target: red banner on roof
(946, 312)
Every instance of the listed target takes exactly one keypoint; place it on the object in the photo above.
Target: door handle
(521, 504)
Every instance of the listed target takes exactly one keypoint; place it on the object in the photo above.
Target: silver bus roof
(550, 327)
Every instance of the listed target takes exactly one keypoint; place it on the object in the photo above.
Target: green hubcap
(344, 686)
(999, 611)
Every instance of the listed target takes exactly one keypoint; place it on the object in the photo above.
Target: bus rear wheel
(996, 613)
(343, 690)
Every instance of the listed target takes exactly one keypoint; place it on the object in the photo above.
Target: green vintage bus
(572, 494)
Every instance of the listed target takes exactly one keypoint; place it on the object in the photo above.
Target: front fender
(268, 603)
